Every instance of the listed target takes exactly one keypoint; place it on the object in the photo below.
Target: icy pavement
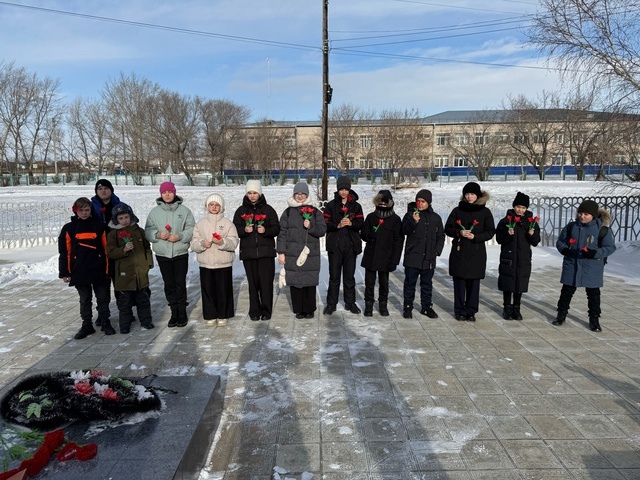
(381, 398)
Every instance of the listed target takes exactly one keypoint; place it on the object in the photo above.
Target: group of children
(103, 243)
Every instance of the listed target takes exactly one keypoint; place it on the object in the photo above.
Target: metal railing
(28, 224)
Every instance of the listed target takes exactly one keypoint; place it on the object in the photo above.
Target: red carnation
(87, 452)
(167, 227)
(84, 387)
(380, 222)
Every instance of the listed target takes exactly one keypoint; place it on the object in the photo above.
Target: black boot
(105, 326)
(368, 309)
(86, 330)
(507, 311)
(384, 311)
(516, 315)
(560, 318)
(429, 311)
(406, 313)
(594, 324)
(173, 321)
(183, 318)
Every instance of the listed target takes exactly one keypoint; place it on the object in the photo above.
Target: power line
(165, 27)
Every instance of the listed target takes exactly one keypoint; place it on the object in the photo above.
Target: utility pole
(326, 97)
(55, 147)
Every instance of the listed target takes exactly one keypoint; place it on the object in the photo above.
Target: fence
(28, 224)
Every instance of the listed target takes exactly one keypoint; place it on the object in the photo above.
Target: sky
(267, 56)
(41, 262)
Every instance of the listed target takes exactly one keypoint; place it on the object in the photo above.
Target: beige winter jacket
(216, 256)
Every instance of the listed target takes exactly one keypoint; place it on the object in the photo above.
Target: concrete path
(349, 397)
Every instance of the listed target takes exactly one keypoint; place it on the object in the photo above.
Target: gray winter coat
(292, 239)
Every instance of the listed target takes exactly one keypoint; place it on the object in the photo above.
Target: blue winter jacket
(578, 270)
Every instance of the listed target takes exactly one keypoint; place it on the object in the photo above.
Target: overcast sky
(266, 55)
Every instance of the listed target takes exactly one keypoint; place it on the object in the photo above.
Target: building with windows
(478, 140)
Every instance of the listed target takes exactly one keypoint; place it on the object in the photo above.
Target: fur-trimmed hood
(378, 198)
(483, 200)
(603, 215)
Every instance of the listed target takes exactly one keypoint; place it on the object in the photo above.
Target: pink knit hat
(167, 187)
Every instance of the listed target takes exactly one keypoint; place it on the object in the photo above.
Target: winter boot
(429, 312)
(183, 318)
(406, 313)
(368, 309)
(507, 311)
(560, 318)
(173, 321)
(86, 330)
(384, 311)
(516, 315)
(594, 324)
(105, 326)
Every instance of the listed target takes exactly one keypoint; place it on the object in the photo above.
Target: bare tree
(174, 121)
(533, 128)
(27, 107)
(479, 143)
(593, 41)
(401, 141)
(221, 119)
(88, 122)
(346, 121)
(130, 101)
(262, 148)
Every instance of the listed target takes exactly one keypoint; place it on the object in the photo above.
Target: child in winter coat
(301, 227)
(471, 225)
(516, 234)
(131, 252)
(382, 233)
(257, 225)
(83, 264)
(169, 229)
(425, 241)
(344, 218)
(585, 244)
(215, 240)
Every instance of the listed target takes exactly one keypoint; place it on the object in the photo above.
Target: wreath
(47, 401)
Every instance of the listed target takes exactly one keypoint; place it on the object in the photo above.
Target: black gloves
(589, 253)
(392, 268)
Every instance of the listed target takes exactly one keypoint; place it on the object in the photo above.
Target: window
(461, 139)
(290, 141)
(557, 159)
(349, 142)
(502, 138)
(366, 141)
(384, 163)
(424, 136)
(482, 138)
(500, 161)
(366, 163)
(460, 161)
(443, 139)
(383, 139)
(331, 163)
(521, 138)
(559, 138)
(619, 159)
(540, 138)
(351, 163)
(333, 143)
(441, 161)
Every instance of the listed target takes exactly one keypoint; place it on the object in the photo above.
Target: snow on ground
(41, 262)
